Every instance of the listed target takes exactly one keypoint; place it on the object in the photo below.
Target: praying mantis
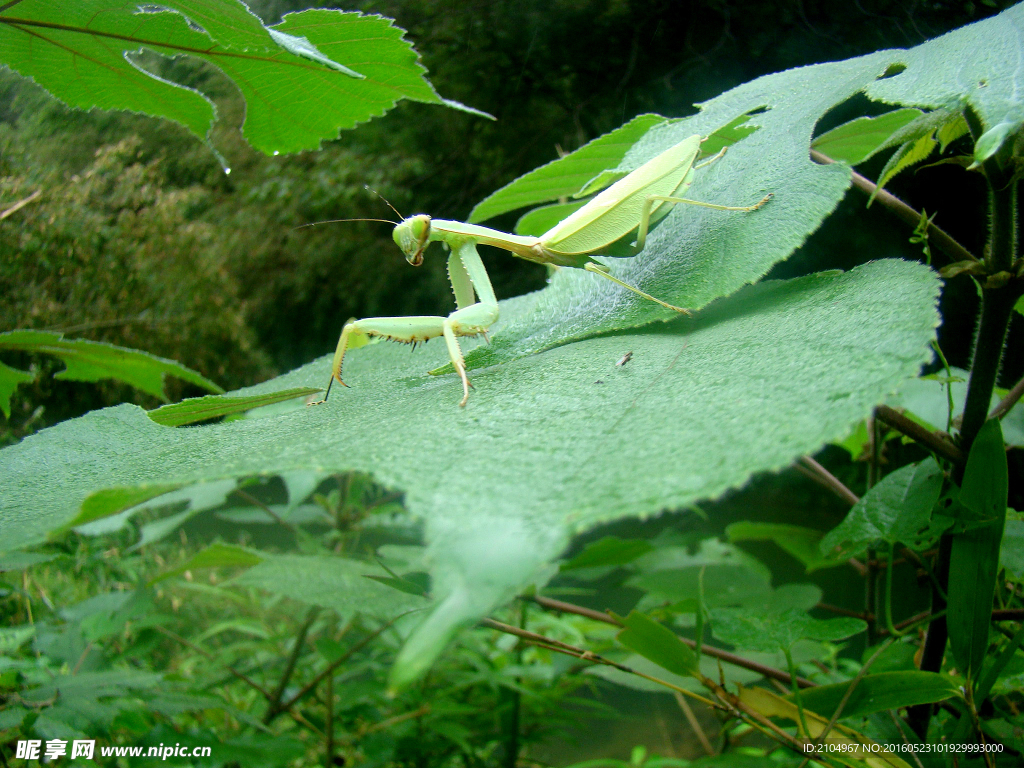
(629, 204)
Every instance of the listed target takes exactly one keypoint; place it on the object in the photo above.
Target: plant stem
(996, 301)
(935, 641)
(513, 701)
(904, 212)
(691, 718)
(275, 707)
(329, 723)
(710, 650)
(312, 684)
(996, 310)
(825, 478)
(933, 441)
(1007, 403)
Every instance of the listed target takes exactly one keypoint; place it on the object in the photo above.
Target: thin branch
(710, 650)
(20, 204)
(579, 653)
(691, 718)
(257, 503)
(82, 658)
(579, 610)
(818, 473)
(275, 700)
(329, 724)
(1008, 614)
(904, 212)
(1009, 401)
(930, 440)
(385, 724)
(203, 652)
(312, 684)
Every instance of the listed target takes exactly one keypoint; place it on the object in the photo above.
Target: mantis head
(412, 236)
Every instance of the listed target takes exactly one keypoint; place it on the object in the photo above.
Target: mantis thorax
(412, 236)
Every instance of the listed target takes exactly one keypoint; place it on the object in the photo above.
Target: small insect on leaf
(625, 358)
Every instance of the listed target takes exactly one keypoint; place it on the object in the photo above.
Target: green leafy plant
(299, 78)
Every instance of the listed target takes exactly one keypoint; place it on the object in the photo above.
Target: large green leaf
(303, 80)
(548, 445)
(974, 557)
(979, 65)
(697, 255)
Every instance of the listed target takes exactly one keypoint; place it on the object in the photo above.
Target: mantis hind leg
(602, 270)
(645, 216)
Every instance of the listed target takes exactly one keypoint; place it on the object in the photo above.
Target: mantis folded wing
(632, 203)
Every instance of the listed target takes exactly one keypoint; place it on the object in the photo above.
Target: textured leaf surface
(548, 445)
(980, 65)
(303, 80)
(769, 631)
(697, 255)
(96, 360)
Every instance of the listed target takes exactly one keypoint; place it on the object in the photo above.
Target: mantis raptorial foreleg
(471, 318)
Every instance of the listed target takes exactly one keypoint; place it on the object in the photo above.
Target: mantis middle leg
(472, 317)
